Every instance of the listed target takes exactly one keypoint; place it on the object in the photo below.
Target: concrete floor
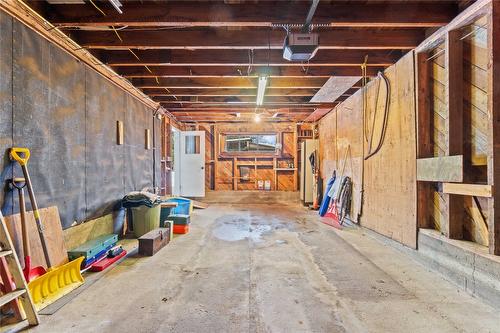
(270, 268)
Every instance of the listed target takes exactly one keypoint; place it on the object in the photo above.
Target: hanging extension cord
(371, 152)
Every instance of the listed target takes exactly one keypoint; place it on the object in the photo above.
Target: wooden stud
(147, 139)
(494, 126)
(119, 132)
(477, 190)
(424, 144)
(454, 101)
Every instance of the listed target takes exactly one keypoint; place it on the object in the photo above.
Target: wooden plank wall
(221, 171)
(389, 176)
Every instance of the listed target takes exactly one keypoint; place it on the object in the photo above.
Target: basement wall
(66, 114)
(389, 197)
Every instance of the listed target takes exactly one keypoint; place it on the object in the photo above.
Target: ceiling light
(257, 118)
(117, 4)
(238, 114)
(275, 115)
(261, 89)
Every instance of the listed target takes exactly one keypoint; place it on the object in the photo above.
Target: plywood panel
(284, 181)
(334, 88)
(328, 145)
(350, 140)
(224, 180)
(53, 236)
(390, 176)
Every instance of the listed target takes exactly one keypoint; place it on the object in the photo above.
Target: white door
(192, 164)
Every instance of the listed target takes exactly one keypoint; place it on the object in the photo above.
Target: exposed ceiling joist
(230, 99)
(171, 105)
(229, 82)
(340, 38)
(220, 71)
(179, 92)
(335, 58)
(176, 13)
(201, 60)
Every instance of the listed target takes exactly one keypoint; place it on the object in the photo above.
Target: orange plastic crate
(181, 229)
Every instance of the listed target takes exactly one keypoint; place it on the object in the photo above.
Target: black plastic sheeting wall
(66, 114)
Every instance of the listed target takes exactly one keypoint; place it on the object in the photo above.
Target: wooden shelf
(285, 169)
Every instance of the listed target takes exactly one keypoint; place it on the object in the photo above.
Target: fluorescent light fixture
(117, 4)
(261, 89)
(237, 115)
(275, 115)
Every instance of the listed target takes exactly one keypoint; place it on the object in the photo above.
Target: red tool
(107, 261)
(332, 216)
(29, 272)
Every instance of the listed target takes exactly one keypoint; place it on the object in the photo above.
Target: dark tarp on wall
(66, 114)
(138, 167)
(5, 98)
(49, 115)
(105, 159)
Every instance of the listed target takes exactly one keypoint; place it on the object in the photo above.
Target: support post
(424, 144)
(494, 126)
(455, 125)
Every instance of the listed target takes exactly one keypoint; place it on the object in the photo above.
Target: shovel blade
(57, 282)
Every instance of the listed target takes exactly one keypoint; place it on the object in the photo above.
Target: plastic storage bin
(145, 219)
(184, 206)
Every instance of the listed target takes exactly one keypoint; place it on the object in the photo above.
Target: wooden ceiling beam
(172, 106)
(230, 71)
(179, 92)
(242, 111)
(338, 38)
(231, 82)
(185, 14)
(201, 106)
(230, 99)
(334, 58)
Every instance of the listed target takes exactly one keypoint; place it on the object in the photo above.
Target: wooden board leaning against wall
(224, 171)
(389, 202)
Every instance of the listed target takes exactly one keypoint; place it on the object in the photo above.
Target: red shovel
(29, 273)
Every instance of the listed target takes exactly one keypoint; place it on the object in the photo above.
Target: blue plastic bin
(183, 206)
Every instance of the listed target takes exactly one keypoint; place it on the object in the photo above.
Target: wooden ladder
(8, 258)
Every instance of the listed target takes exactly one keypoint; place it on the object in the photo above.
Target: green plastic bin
(145, 219)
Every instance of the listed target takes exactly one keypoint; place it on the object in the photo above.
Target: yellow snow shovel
(58, 281)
